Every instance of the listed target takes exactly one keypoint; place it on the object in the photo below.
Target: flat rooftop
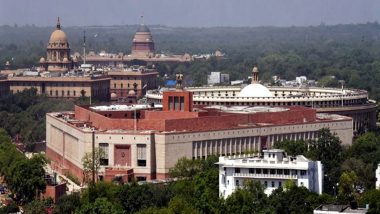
(124, 107)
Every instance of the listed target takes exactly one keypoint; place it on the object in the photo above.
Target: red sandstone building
(144, 142)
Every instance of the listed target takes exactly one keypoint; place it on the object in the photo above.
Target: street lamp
(342, 83)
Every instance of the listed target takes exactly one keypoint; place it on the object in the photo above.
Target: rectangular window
(251, 171)
(303, 172)
(141, 155)
(265, 171)
(237, 183)
(237, 170)
(272, 183)
(182, 103)
(258, 171)
(265, 184)
(103, 147)
(170, 102)
(286, 171)
(272, 171)
(176, 103)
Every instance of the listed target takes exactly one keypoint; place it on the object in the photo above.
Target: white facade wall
(378, 177)
(213, 78)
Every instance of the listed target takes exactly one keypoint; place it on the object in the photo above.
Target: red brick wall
(57, 161)
(195, 121)
(187, 95)
(55, 192)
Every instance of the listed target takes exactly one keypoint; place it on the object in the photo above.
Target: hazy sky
(189, 12)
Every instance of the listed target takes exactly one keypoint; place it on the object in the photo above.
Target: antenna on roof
(142, 19)
(84, 47)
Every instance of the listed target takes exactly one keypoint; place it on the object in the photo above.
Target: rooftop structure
(63, 85)
(348, 102)
(273, 168)
(132, 82)
(145, 141)
(336, 209)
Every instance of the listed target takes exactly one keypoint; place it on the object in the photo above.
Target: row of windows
(141, 154)
(272, 171)
(75, 93)
(315, 104)
(128, 85)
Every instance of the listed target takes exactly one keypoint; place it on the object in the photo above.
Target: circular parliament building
(348, 102)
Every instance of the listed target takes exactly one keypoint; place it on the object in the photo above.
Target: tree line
(345, 52)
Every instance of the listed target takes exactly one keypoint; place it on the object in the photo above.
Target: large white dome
(255, 90)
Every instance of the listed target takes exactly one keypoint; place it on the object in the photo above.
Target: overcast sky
(189, 13)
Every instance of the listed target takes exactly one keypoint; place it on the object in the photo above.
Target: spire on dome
(142, 19)
(58, 24)
(255, 75)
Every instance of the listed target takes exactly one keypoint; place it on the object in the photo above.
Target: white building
(378, 177)
(273, 169)
(217, 78)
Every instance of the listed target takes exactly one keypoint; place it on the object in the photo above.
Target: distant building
(134, 80)
(4, 85)
(143, 45)
(301, 80)
(145, 141)
(143, 49)
(273, 169)
(217, 78)
(68, 86)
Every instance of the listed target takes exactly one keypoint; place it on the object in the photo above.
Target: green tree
(293, 148)
(67, 204)
(36, 207)
(100, 206)
(372, 198)
(347, 187)
(327, 149)
(89, 167)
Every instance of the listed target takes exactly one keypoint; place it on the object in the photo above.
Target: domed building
(347, 102)
(143, 45)
(255, 89)
(58, 57)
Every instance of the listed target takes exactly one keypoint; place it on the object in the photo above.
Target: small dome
(255, 90)
(58, 36)
(113, 96)
(42, 60)
(132, 93)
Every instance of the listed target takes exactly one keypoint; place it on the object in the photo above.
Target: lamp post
(93, 155)
(342, 83)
